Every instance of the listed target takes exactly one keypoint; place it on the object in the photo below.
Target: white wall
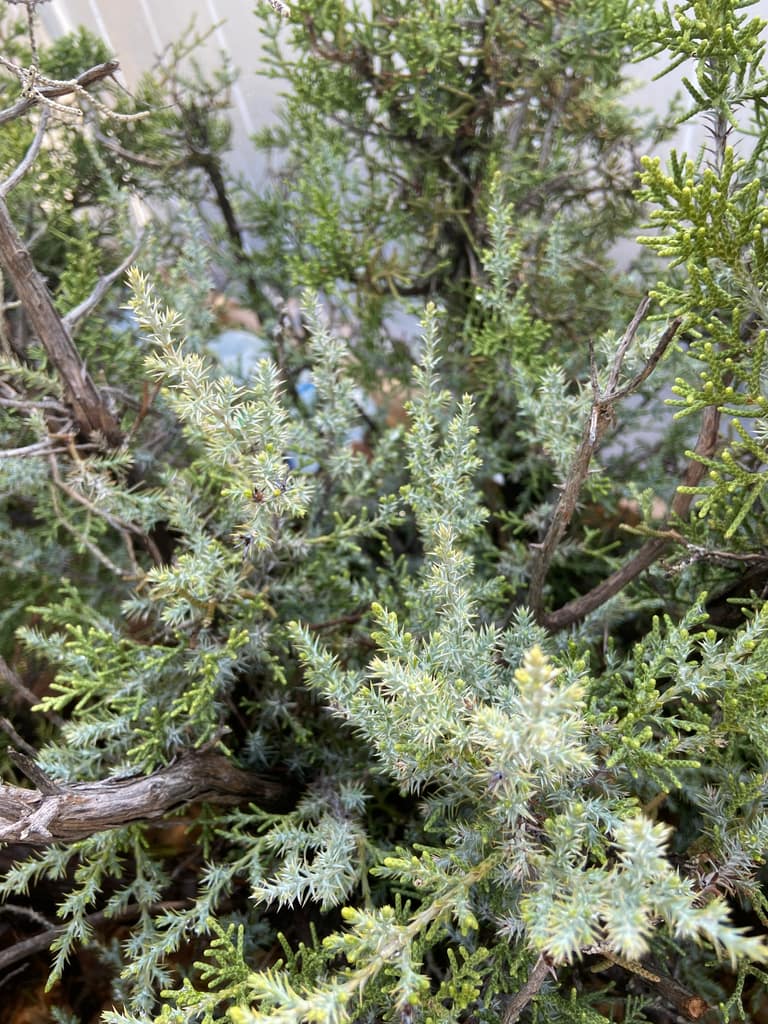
(137, 31)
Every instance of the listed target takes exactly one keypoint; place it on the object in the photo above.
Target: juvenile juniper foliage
(497, 650)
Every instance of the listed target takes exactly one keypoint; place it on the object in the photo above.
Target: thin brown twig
(14, 737)
(698, 553)
(688, 1003)
(16, 683)
(600, 416)
(651, 361)
(28, 766)
(13, 679)
(518, 1002)
(29, 912)
(116, 522)
(39, 943)
(13, 974)
(625, 343)
(94, 549)
(653, 548)
(148, 397)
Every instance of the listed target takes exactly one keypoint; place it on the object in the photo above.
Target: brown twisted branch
(64, 813)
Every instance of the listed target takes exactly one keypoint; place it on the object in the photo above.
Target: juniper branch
(601, 415)
(75, 811)
(652, 550)
(123, 526)
(520, 1000)
(39, 943)
(95, 550)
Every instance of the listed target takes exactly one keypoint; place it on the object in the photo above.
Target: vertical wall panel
(139, 30)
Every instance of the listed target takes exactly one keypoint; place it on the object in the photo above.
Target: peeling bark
(66, 813)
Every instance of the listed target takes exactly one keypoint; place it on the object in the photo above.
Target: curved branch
(29, 157)
(102, 286)
(653, 549)
(55, 89)
(70, 812)
(601, 415)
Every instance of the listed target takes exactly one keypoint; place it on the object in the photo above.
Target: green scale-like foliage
(711, 216)
(407, 112)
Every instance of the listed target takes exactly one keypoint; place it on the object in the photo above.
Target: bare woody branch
(601, 415)
(88, 406)
(45, 447)
(29, 157)
(70, 812)
(39, 943)
(689, 1004)
(50, 90)
(14, 680)
(652, 550)
(518, 1002)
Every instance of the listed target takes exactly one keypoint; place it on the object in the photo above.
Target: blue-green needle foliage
(532, 837)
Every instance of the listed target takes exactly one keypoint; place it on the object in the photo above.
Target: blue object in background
(238, 351)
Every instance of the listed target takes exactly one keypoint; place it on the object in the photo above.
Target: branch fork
(600, 418)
